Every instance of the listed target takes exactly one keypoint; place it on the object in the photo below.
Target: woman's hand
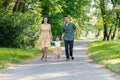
(32, 38)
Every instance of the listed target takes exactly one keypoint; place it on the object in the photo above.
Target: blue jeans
(69, 48)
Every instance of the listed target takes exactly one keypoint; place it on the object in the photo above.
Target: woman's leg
(46, 50)
(43, 54)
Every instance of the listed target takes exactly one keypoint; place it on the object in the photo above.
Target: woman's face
(45, 20)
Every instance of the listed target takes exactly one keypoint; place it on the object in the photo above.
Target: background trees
(19, 19)
(110, 17)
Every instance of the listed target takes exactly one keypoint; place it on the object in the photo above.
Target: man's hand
(77, 38)
(77, 35)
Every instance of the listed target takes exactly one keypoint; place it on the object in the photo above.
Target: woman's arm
(39, 30)
(51, 33)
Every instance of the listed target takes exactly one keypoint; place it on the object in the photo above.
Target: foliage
(117, 8)
(99, 24)
(108, 11)
(57, 9)
(17, 28)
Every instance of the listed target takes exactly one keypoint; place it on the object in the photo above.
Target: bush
(17, 28)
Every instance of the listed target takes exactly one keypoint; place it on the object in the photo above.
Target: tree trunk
(6, 3)
(114, 33)
(19, 6)
(103, 13)
(98, 33)
(105, 33)
(119, 33)
(109, 34)
(117, 20)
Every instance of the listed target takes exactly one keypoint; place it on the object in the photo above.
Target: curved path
(82, 68)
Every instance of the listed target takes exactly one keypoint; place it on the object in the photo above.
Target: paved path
(82, 68)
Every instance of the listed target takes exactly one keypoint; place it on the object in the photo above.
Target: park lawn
(106, 53)
(12, 55)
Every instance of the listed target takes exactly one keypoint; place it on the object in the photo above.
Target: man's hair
(65, 16)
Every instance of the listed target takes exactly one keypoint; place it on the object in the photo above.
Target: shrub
(17, 28)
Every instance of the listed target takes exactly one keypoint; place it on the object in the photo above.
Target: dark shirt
(69, 31)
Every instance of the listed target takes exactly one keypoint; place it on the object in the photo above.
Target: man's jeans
(69, 48)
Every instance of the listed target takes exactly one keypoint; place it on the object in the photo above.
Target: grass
(12, 55)
(106, 53)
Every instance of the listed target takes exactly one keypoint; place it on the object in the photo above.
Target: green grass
(106, 53)
(12, 55)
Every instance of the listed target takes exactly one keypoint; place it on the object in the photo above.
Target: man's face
(66, 19)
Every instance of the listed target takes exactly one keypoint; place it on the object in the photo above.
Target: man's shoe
(67, 59)
(72, 58)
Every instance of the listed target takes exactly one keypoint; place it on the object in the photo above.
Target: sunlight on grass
(12, 55)
(112, 61)
(106, 53)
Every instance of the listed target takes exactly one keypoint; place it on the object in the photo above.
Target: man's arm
(76, 33)
(62, 35)
(76, 30)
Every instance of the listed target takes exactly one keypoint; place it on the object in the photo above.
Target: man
(68, 35)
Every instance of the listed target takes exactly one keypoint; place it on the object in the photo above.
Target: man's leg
(71, 49)
(66, 49)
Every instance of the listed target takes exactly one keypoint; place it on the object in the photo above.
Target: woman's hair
(43, 20)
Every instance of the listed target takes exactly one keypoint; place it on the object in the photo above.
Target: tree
(117, 17)
(19, 6)
(6, 3)
(103, 13)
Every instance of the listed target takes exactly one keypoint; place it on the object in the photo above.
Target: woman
(45, 38)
